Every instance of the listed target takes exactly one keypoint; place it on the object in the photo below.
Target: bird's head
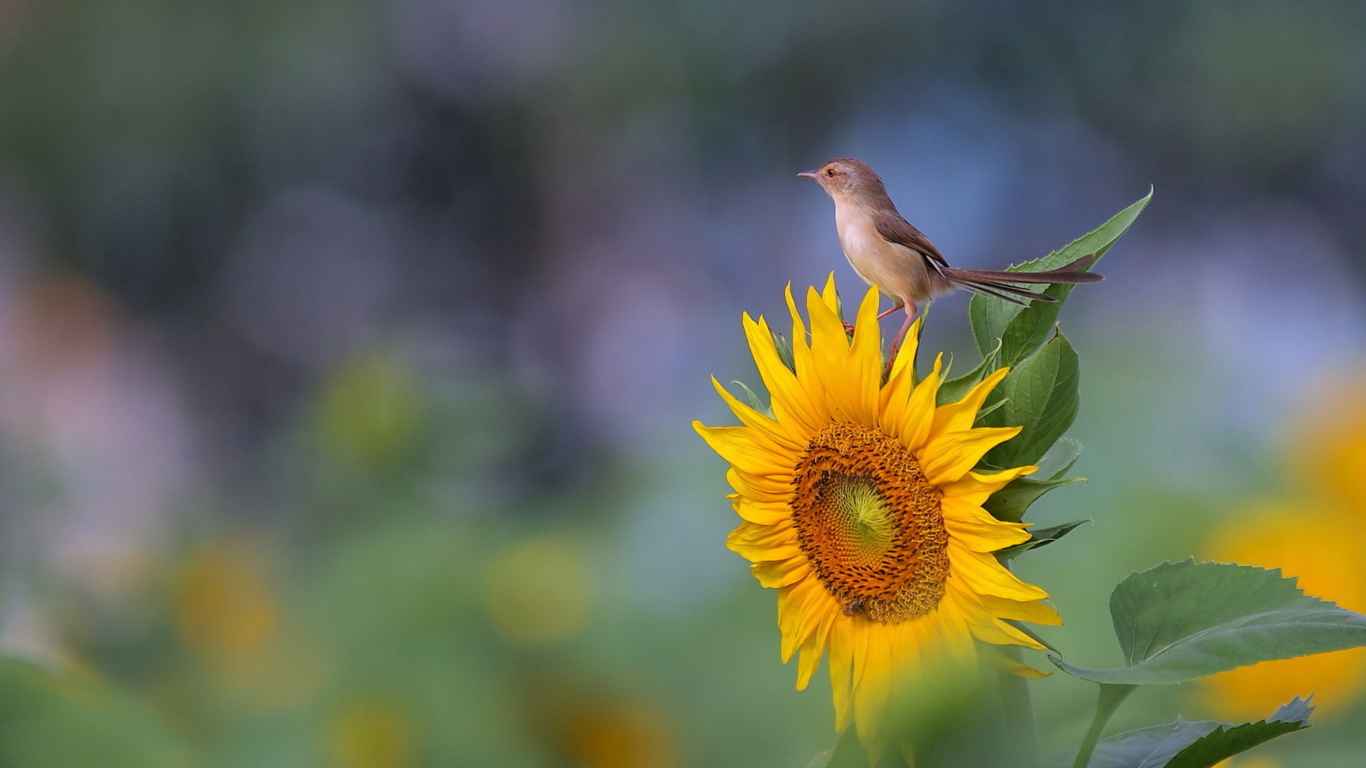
(846, 177)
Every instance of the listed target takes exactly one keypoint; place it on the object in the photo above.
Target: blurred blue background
(348, 349)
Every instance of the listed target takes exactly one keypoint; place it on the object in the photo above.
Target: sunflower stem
(1019, 711)
(1111, 696)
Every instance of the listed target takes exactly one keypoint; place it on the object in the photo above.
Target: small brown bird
(889, 252)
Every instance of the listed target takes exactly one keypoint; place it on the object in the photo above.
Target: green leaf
(784, 350)
(821, 760)
(1030, 325)
(992, 318)
(1181, 621)
(987, 409)
(1028, 630)
(1199, 744)
(953, 390)
(1041, 537)
(847, 753)
(1060, 458)
(1227, 741)
(1011, 502)
(1041, 396)
(754, 401)
(50, 720)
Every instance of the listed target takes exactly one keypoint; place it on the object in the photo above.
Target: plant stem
(1111, 696)
(1021, 726)
(1019, 710)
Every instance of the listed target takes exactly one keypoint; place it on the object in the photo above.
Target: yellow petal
(1016, 668)
(842, 669)
(821, 607)
(755, 534)
(862, 628)
(784, 435)
(761, 512)
(977, 530)
(955, 638)
(782, 573)
(864, 363)
(790, 403)
(893, 401)
(956, 417)
(830, 355)
(813, 648)
(742, 487)
(1000, 633)
(801, 359)
(764, 543)
(829, 295)
(984, 626)
(907, 647)
(873, 689)
(997, 632)
(796, 615)
(790, 601)
(1031, 610)
(977, 487)
(949, 457)
(905, 357)
(738, 446)
(760, 487)
(915, 424)
(985, 576)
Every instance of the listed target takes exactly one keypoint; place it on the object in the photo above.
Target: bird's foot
(895, 349)
(892, 353)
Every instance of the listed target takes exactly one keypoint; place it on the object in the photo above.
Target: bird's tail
(1001, 284)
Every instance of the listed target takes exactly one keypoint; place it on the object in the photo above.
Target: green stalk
(1021, 726)
(1019, 710)
(1111, 696)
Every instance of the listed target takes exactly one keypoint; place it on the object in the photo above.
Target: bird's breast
(898, 271)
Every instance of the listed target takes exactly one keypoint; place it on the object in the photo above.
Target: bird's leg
(911, 310)
(849, 328)
(882, 316)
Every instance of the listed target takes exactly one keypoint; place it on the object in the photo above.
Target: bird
(889, 252)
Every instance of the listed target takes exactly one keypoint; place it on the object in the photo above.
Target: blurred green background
(348, 349)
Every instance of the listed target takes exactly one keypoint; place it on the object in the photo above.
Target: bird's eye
(829, 171)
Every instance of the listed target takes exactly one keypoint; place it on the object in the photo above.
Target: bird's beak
(809, 174)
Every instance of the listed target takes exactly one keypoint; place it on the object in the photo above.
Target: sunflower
(861, 507)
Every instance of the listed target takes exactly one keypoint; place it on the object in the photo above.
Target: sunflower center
(870, 523)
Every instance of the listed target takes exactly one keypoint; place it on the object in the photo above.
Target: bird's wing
(895, 229)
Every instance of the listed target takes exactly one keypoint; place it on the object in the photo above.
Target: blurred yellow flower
(226, 612)
(229, 615)
(370, 409)
(1323, 550)
(538, 591)
(1247, 762)
(372, 733)
(1317, 539)
(859, 504)
(619, 737)
(1329, 454)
